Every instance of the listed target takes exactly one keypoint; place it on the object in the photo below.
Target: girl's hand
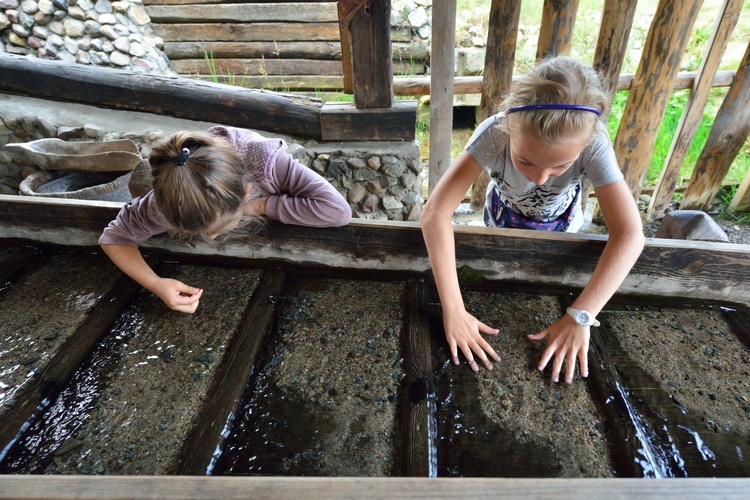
(177, 295)
(462, 330)
(567, 341)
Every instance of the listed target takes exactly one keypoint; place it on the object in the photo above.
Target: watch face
(584, 317)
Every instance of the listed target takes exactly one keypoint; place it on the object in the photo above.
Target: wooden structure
(41, 233)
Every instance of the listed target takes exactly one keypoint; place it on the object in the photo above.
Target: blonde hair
(556, 80)
(197, 179)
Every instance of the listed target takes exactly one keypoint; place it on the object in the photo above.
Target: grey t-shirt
(550, 200)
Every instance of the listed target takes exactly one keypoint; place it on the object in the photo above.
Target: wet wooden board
(718, 272)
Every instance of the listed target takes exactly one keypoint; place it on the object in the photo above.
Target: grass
(215, 70)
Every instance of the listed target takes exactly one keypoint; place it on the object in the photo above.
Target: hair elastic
(575, 107)
(182, 158)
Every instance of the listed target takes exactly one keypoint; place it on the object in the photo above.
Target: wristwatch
(583, 318)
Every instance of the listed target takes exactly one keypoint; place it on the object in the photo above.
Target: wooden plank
(15, 264)
(253, 50)
(556, 32)
(247, 32)
(418, 396)
(346, 47)
(473, 84)
(693, 113)
(502, 36)
(704, 271)
(256, 13)
(372, 66)
(47, 383)
(231, 379)
(135, 487)
(612, 43)
(344, 122)
(727, 136)
(741, 200)
(172, 96)
(286, 83)
(443, 58)
(648, 97)
(259, 66)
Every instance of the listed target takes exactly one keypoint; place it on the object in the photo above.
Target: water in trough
(331, 394)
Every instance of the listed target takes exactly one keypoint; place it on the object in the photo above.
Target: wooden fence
(296, 46)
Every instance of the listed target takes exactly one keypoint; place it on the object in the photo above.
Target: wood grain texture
(693, 113)
(728, 133)
(418, 396)
(344, 122)
(312, 12)
(556, 31)
(172, 96)
(247, 32)
(231, 379)
(651, 88)
(134, 487)
(700, 270)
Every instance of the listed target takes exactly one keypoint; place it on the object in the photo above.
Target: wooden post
(649, 94)
(741, 200)
(617, 20)
(556, 32)
(443, 57)
(693, 113)
(502, 37)
(346, 49)
(728, 133)
(369, 28)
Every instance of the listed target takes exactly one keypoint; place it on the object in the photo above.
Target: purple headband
(555, 106)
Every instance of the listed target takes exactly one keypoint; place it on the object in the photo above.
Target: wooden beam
(253, 50)
(418, 396)
(556, 32)
(312, 12)
(443, 59)
(648, 97)
(612, 43)
(231, 379)
(473, 84)
(126, 487)
(344, 122)
(246, 32)
(705, 271)
(741, 200)
(692, 115)
(370, 44)
(502, 36)
(173, 96)
(728, 133)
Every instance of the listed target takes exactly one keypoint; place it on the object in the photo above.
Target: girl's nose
(540, 178)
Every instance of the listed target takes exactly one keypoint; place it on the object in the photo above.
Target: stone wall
(381, 180)
(101, 33)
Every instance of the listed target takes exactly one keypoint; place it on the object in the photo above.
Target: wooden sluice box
(321, 353)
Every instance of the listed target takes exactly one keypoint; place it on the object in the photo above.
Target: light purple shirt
(296, 194)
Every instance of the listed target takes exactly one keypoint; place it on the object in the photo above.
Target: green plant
(214, 70)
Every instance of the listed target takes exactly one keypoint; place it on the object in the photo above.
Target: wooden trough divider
(417, 391)
(47, 384)
(231, 380)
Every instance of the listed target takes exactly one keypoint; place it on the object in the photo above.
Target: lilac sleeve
(136, 222)
(303, 197)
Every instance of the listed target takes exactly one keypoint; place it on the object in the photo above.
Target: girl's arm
(567, 340)
(303, 197)
(462, 330)
(175, 294)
